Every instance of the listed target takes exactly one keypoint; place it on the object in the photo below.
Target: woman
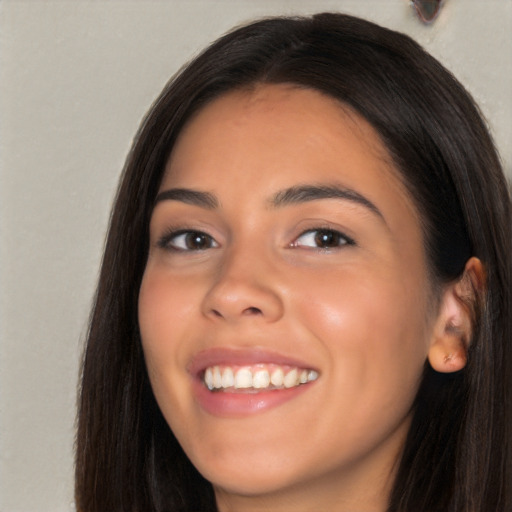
(304, 302)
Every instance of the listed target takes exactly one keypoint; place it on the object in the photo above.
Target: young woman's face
(285, 309)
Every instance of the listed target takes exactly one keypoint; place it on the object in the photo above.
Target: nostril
(252, 311)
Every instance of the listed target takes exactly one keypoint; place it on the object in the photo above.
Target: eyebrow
(290, 196)
(305, 193)
(188, 196)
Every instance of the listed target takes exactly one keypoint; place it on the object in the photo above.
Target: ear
(453, 328)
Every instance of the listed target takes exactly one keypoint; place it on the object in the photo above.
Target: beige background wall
(75, 80)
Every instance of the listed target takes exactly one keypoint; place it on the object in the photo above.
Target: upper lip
(241, 357)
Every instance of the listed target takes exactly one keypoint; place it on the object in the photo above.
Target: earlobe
(448, 354)
(454, 325)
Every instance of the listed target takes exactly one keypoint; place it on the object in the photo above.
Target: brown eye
(188, 241)
(197, 241)
(323, 239)
(328, 239)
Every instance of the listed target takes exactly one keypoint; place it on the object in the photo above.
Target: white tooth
(303, 377)
(243, 378)
(261, 379)
(277, 377)
(228, 379)
(312, 375)
(291, 378)
(217, 378)
(208, 378)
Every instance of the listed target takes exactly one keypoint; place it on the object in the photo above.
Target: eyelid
(348, 241)
(164, 241)
(167, 240)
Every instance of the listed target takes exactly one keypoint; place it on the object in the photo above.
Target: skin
(361, 313)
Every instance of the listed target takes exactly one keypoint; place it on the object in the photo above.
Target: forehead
(276, 136)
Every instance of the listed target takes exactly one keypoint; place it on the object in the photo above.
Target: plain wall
(75, 79)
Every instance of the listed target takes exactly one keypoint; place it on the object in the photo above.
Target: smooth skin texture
(353, 300)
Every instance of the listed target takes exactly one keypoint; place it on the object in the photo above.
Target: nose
(243, 288)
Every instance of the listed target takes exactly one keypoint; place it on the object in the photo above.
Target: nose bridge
(244, 286)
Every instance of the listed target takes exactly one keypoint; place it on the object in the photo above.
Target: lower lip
(221, 403)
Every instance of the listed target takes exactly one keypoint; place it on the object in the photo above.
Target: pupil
(197, 241)
(327, 239)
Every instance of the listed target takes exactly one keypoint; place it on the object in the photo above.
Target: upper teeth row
(246, 377)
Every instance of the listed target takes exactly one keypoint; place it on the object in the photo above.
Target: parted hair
(457, 456)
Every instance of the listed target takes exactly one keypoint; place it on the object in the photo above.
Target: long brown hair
(458, 453)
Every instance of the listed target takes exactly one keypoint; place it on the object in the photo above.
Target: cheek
(163, 307)
(163, 304)
(373, 332)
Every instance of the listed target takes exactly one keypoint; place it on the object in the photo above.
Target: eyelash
(327, 237)
(168, 240)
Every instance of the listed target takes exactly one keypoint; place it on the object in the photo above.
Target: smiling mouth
(256, 378)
